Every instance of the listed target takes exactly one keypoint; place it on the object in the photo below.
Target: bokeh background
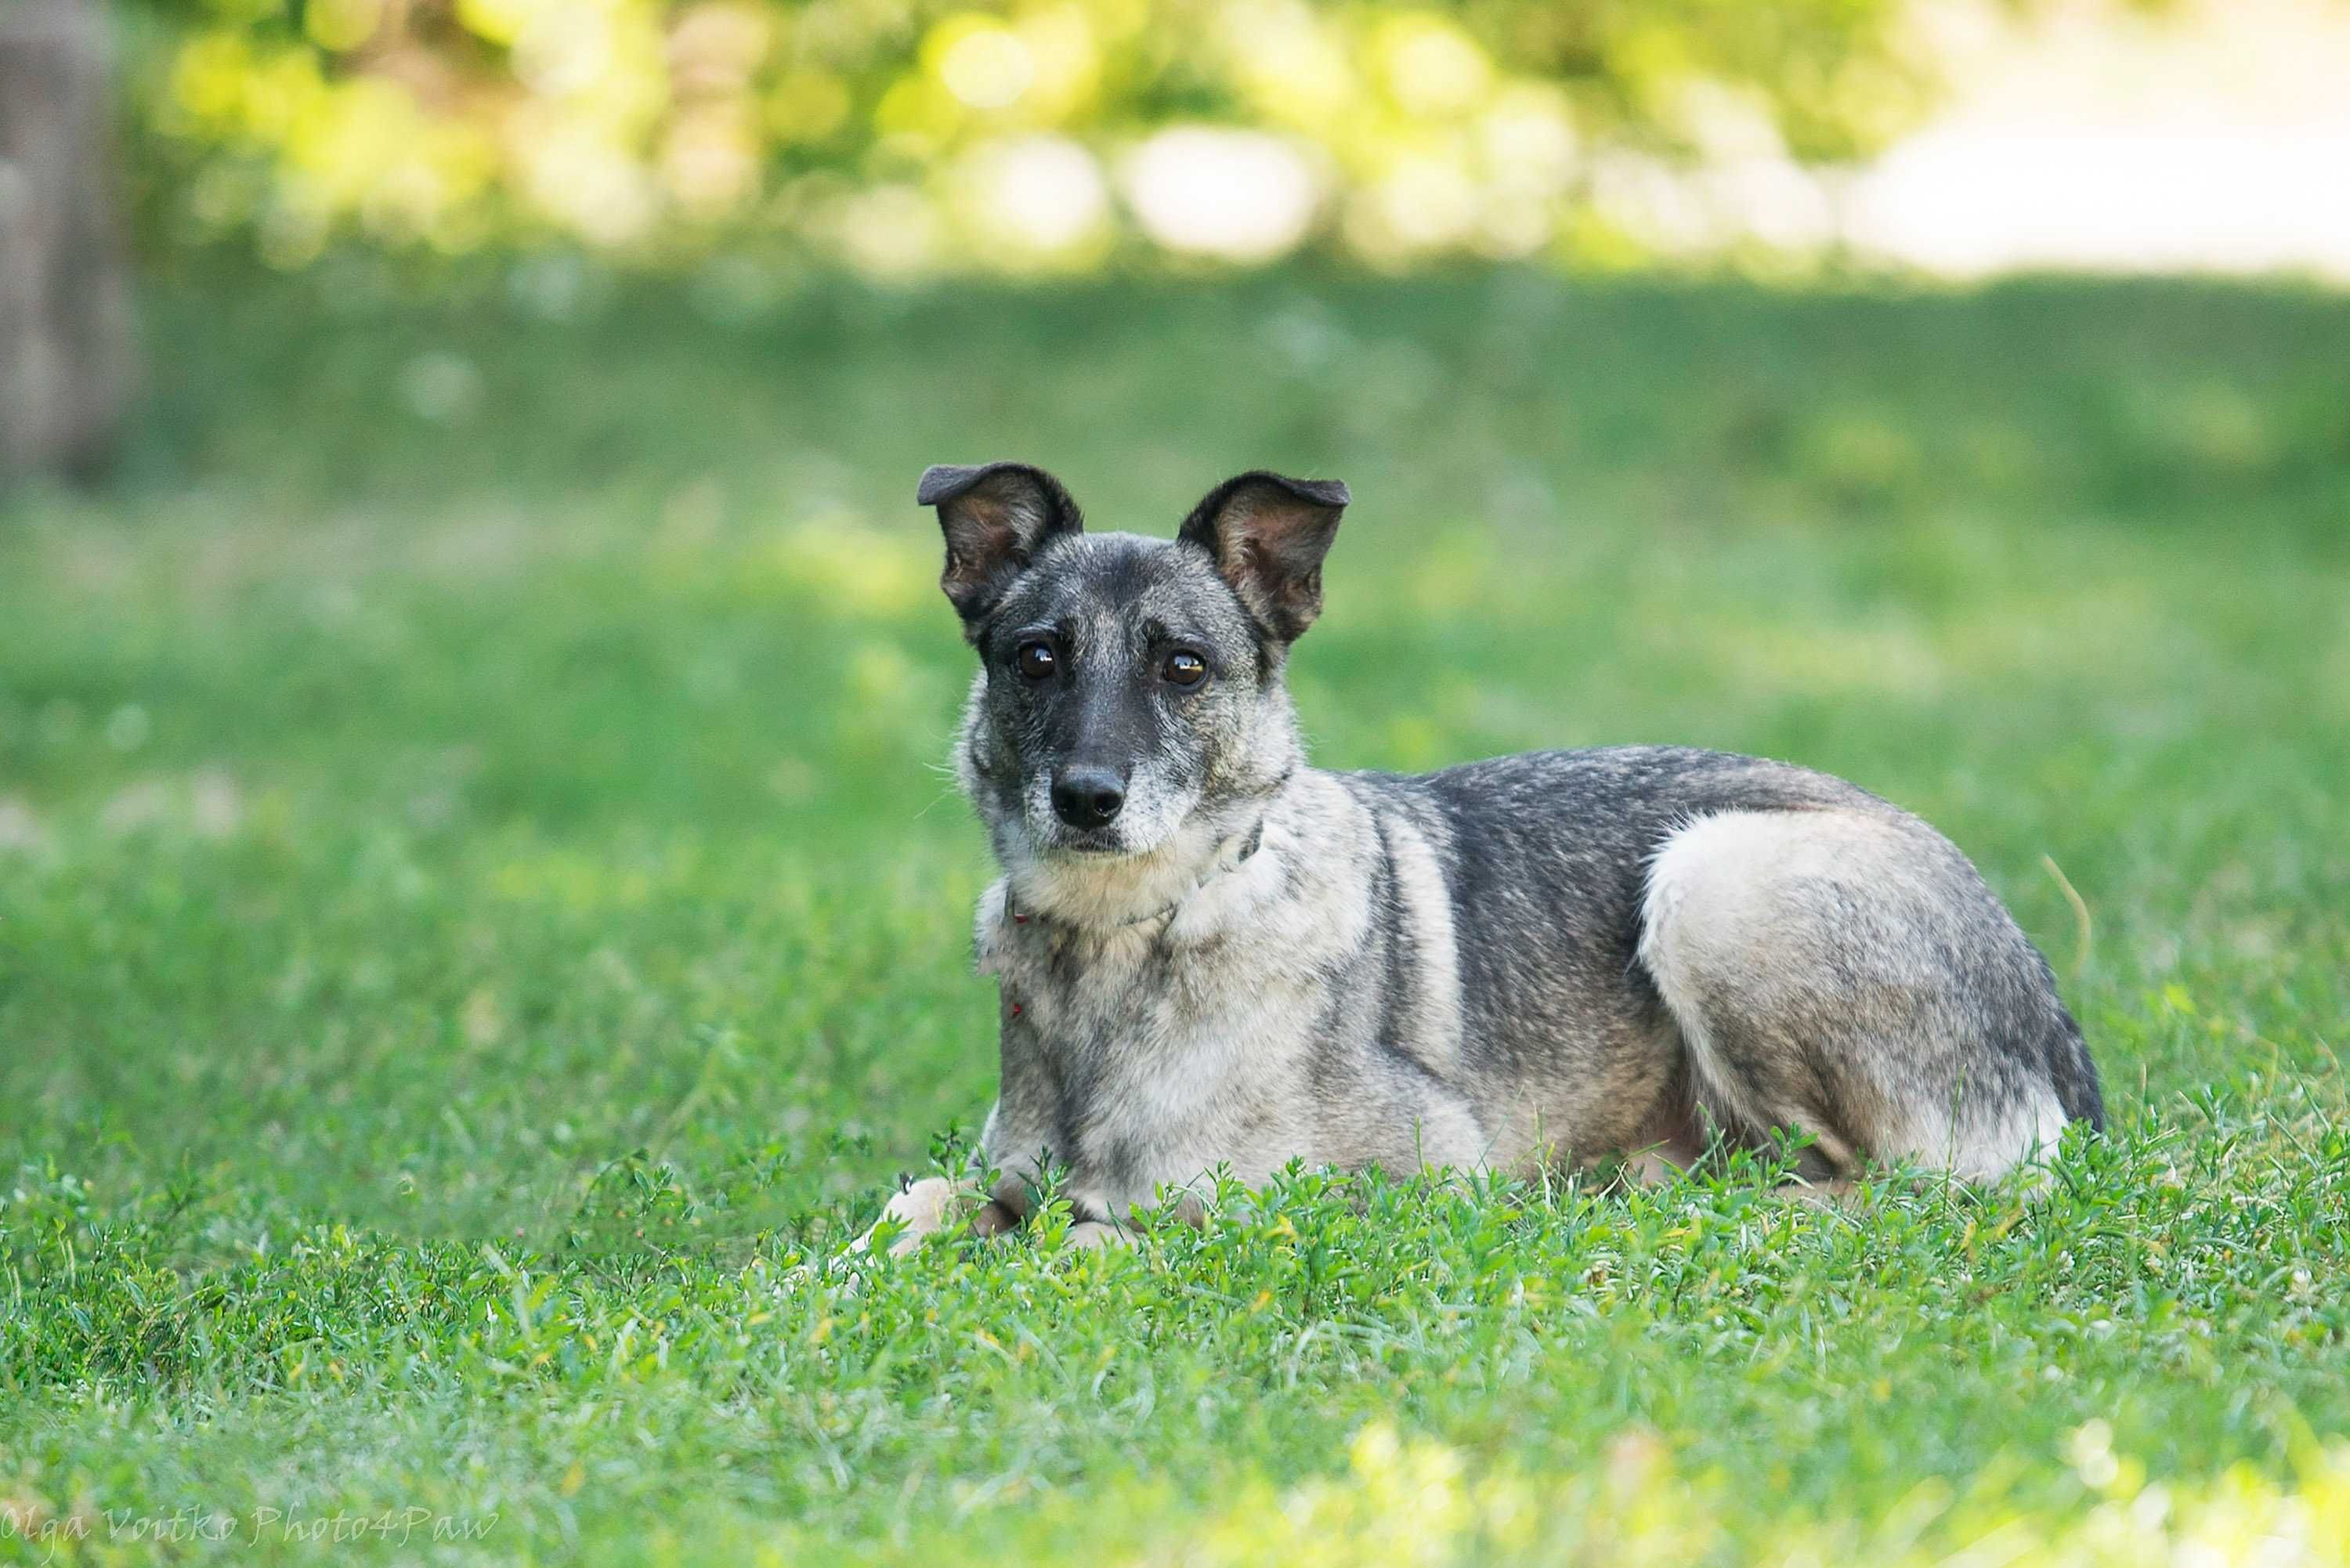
(907, 139)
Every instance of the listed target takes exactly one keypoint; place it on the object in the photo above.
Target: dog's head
(1129, 717)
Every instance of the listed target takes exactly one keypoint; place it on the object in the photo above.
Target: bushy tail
(2075, 1075)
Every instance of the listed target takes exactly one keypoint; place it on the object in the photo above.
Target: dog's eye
(1036, 660)
(1186, 667)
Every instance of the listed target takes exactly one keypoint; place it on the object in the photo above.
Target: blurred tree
(1013, 134)
(64, 341)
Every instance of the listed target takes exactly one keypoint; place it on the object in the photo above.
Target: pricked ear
(995, 516)
(1268, 535)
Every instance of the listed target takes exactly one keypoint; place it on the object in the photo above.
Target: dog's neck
(1102, 904)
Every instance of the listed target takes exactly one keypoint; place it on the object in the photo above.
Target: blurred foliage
(912, 135)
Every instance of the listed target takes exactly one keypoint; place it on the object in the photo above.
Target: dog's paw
(923, 1208)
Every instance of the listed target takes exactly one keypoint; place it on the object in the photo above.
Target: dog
(1214, 958)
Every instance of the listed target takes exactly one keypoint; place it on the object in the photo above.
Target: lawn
(480, 907)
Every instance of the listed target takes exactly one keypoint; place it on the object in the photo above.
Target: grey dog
(1214, 958)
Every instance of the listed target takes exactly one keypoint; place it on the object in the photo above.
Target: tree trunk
(66, 362)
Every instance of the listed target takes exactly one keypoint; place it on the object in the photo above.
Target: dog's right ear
(995, 516)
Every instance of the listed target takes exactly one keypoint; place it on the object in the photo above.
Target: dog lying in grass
(1212, 955)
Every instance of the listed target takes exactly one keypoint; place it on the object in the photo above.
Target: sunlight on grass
(1415, 1503)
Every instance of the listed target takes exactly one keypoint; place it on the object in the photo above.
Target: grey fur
(1554, 956)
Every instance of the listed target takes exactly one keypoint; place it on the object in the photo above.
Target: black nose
(1087, 797)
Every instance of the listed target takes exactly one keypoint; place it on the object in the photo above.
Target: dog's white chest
(1136, 1060)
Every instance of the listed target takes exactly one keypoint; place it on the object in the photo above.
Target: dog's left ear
(1268, 535)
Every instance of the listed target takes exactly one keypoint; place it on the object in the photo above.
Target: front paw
(924, 1207)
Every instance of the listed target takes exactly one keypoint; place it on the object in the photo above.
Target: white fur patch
(1434, 1035)
(1708, 912)
(1748, 908)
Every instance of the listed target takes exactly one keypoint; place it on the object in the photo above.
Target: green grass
(479, 907)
